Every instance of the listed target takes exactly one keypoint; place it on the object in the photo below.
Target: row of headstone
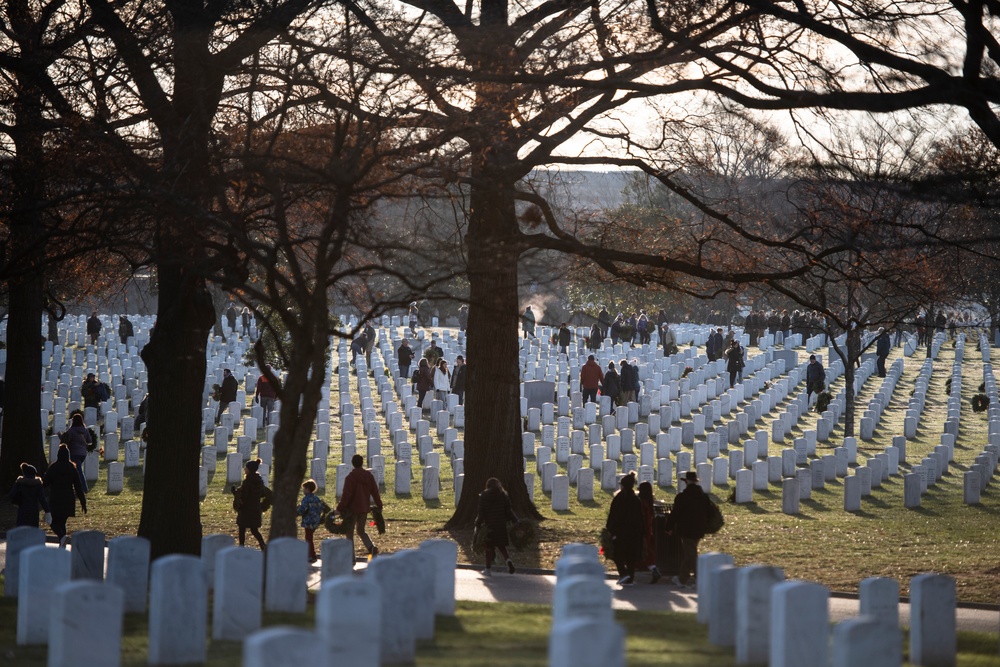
(389, 607)
(767, 619)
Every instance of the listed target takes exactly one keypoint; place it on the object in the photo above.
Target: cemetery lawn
(484, 635)
(823, 543)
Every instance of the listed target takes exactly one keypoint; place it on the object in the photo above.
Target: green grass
(484, 635)
(823, 543)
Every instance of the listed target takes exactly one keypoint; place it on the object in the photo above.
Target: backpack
(103, 391)
(715, 520)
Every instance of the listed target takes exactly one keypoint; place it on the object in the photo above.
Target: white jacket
(442, 380)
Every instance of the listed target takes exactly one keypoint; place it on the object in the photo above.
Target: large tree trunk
(300, 395)
(492, 398)
(175, 357)
(22, 432)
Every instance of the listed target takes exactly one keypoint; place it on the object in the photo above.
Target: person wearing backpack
(689, 521)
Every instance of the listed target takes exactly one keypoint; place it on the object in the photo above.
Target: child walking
(311, 509)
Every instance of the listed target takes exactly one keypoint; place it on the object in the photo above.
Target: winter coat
(63, 481)
(689, 517)
(883, 345)
(93, 326)
(360, 489)
(265, 389)
(565, 336)
(734, 359)
(442, 380)
(625, 523)
(630, 378)
(591, 375)
(27, 494)
(648, 535)
(311, 510)
(404, 355)
(425, 379)
(227, 393)
(815, 376)
(249, 495)
(612, 385)
(528, 321)
(77, 437)
(495, 513)
(458, 379)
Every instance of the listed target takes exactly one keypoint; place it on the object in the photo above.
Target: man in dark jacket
(565, 336)
(883, 344)
(125, 329)
(689, 521)
(94, 327)
(815, 377)
(630, 382)
(360, 490)
(458, 379)
(591, 377)
(227, 393)
(604, 321)
(404, 355)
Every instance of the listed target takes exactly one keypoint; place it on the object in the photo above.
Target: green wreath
(980, 402)
(823, 401)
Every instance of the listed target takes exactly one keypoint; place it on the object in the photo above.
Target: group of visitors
(635, 329)
(432, 373)
(631, 523)
(65, 483)
(623, 387)
(760, 322)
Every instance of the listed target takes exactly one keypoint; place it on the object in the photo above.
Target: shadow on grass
(432, 503)
(754, 508)
(815, 506)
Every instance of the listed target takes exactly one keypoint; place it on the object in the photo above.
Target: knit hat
(253, 465)
(28, 470)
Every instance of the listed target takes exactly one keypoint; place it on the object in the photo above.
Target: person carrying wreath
(494, 514)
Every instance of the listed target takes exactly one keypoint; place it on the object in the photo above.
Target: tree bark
(492, 397)
(22, 432)
(175, 357)
(300, 395)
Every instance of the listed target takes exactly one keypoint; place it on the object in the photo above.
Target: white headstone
(236, 605)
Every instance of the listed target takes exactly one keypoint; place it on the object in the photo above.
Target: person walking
(625, 524)
(458, 379)
(125, 329)
(28, 495)
(252, 499)
(404, 357)
(689, 520)
(265, 395)
(79, 441)
(63, 482)
(494, 514)
(734, 361)
(528, 322)
(565, 335)
(648, 535)
(94, 327)
(604, 321)
(311, 509)
(611, 386)
(413, 318)
(591, 377)
(815, 378)
(360, 492)
(227, 394)
(245, 321)
(231, 317)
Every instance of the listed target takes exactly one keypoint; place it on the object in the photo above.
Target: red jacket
(591, 375)
(360, 488)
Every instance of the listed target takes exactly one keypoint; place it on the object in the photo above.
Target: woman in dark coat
(252, 500)
(626, 528)
(63, 482)
(495, 512)
(648, 535)
(27, 494)
(79, 440)
(612, 385)
(425, 380)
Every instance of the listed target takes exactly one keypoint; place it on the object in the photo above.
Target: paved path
(535, 587)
